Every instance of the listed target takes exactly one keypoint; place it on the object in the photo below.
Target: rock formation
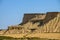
(36, 23)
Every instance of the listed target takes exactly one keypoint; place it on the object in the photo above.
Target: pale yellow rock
(32, 28)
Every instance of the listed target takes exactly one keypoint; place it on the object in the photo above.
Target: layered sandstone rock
(37, 23)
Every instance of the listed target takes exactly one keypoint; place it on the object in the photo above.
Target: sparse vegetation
(26, 38)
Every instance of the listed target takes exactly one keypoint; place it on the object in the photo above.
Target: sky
(12, 11)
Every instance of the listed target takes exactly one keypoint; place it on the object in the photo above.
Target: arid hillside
(42, 25)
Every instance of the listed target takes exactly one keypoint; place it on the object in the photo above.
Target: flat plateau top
(40, 13)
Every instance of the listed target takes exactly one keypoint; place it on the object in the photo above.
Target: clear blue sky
(12, 11)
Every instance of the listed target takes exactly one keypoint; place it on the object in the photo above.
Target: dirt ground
(40, 35)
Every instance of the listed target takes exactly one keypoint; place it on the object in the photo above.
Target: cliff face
(37, 23)
(28, 17)
(50, 16)
(35, 17)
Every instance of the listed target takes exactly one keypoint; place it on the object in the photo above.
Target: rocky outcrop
(37, 23)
